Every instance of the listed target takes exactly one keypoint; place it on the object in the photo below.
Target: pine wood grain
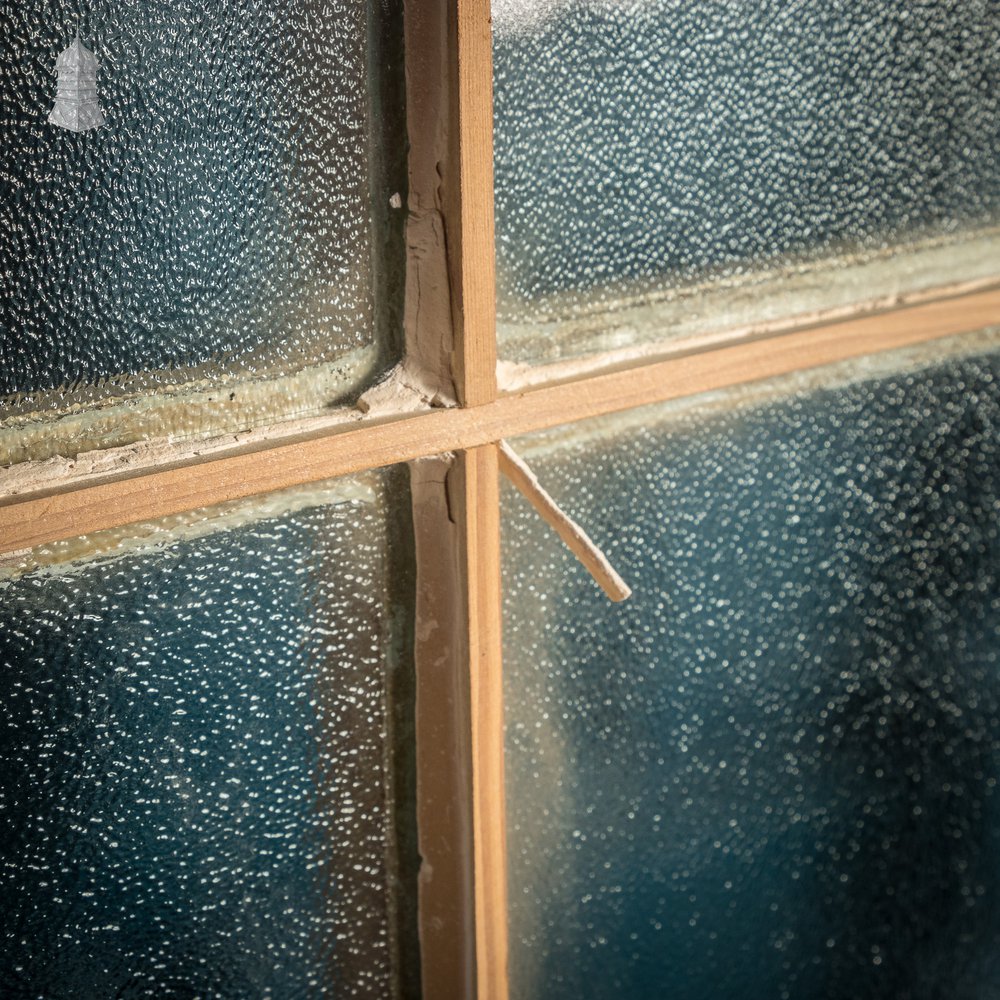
(80, 505)
(476, 358)
(480, 520)
(574, 537)
(444, 749)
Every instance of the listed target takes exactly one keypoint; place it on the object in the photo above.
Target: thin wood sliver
(578, 541)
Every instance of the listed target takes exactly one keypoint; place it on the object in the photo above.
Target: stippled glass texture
(773, 771)
(644, 145)
(222, 213)
(193, 782)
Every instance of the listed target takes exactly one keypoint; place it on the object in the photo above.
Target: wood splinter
(580, 544)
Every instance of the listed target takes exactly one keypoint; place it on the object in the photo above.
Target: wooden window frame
(451, 338)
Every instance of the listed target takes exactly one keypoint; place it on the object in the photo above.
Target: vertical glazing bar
(446, 892)
(459, 712)
(473, 265)
(451, 350)
(474, 372)
(471, 256)
(481, 518)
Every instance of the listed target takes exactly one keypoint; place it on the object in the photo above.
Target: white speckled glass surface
(197, 748)
(646, 146)
(231, 210)
(773, 771)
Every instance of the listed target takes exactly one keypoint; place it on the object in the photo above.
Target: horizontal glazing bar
(83, 501)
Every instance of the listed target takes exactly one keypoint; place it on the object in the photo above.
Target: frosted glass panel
(224, 210)
(773, 771)
(193, 785)
(646, 145)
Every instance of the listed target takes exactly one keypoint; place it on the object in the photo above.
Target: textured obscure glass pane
(193, 788)
(772, 772)
(647, 144)
(221, 212)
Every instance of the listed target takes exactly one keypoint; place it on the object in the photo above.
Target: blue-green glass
(231, 209)
(659, 142)
(193, 784)
(773, 771)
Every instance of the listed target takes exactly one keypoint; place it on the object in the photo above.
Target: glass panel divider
(38, 506)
